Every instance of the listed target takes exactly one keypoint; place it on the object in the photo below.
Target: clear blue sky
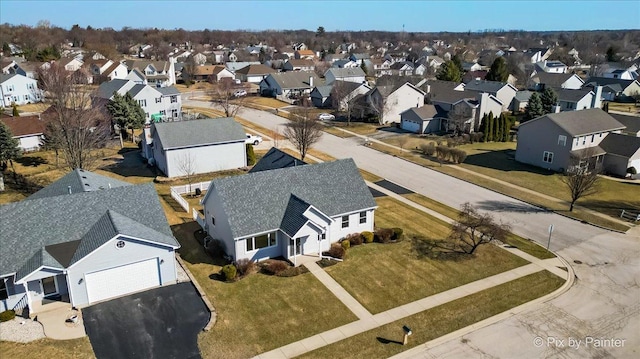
(354, 15)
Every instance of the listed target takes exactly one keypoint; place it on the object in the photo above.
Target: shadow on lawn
(506, 206)
(31, 161)
(388, 341)
(503, 160)
(132, 164)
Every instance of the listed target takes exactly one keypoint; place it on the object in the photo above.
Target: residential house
(632, 124)
(402, 68)
(424, 119)
(218, 56)
(164, 103)
(304, 55)
(471, 66)
(475, 76)
(274, 159)
(466, 114)
(622, 152)
(300, 210)
(537, 54)
(347, 74)
(614, 89)
(299, 46)
(549, 141)
(389, 101)
(381, 67)
(621, 74)
(299, 65)
(83, 239)
(156, 73)
(235, 66)
(338, 94)
(28, 130)
(541, 80)
(213, 73)
(254, 73)
(504, 92)
(434, 62)
(572, 100)
(345, 64)
(521, 100)
(70, 64)
(19, 89)
(197, 146)
(106, 70)
(29, 68)
(321, 96)
(289, 86)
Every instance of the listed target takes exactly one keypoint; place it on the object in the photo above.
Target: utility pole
(550, 231)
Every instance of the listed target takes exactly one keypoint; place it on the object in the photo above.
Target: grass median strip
(48, 348)
(382, 342)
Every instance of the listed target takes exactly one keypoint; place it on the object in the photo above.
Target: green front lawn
(48, 349)
(382, 342)
(384, 276)
(260, 312)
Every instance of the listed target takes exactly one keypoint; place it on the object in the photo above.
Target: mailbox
(407, 330)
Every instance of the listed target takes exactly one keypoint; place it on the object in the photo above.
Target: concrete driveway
(158, 323)
(604, 302)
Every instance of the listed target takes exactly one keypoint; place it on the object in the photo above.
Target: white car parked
(240, 93)
(326, 117)
(253, 139)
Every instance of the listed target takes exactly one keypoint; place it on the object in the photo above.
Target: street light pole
(550, 231)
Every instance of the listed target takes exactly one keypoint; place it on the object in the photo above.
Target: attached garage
(119, 281)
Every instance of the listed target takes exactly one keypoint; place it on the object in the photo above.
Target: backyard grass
(336, 131)
(384, 276)
(382, 342)
(48, 349)
(260, 312)
(265, 102)
(433, 205)
(34, 107)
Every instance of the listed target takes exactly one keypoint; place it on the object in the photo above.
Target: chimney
(311, 81)
(69, 189)
(596, 101)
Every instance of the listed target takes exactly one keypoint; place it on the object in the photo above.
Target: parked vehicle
(326, 117)
(240, 93)
(253, 139)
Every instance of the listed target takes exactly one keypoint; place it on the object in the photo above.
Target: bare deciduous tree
(340, 98)
(187, 166)
(473, 229)
(581, 178)
(222, 94)
(402, 141)
(303, 131)
(380, 107)
(74, 124)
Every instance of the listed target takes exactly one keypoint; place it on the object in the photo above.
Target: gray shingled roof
(296, 79)
(569, 95)
(583, 122)
(601, 81)
(136, 89)
(421, 113)
(5, 77)
(551, 79)
(631, 122)
(484, 86)
(168, 91)
(324, 91)
(622, 145)
(199, 132)
(106, 89)
(256, 202)
(338, 72)
(30, 226)
(293, 218)
(275, 159)
(78, 181)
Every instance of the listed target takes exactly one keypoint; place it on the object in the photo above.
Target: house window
(3, 289)
(49, 286)
(213, 221)
(174, 113)
(30, 86)
(142, 103)
(584, 140)
(363, 217)
(261, 241)
(593, 137)
(174, 99)
(547, 157)
(345, 221)
(158, 99)
(9, 88)
(562, 140)
(163, 112)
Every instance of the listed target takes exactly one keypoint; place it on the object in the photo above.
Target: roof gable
(275, 159)
(193, 133)
(580, 123)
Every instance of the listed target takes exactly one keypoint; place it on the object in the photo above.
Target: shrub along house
(83, 239)
(288, 211)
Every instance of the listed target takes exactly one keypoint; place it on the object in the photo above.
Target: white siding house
(303, 210)
(28, 130)
(197, 146)
(19, 89)
(164, 103)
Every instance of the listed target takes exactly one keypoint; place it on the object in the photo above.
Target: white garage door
(118, 281)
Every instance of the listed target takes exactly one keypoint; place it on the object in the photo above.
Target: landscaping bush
(397, 234)
(293, 271)
(367, 236)
(337, 251)
(428, 149)
(345, 244)
(383, 235)
(326, 262)
(632, 171)
(230, 272)
(7, 315)
(251, 156)
(245, 266)
(274, 267)
(355, 239)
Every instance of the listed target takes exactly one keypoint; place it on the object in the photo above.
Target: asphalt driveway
(158, 323)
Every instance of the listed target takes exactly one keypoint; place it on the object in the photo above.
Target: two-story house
(345, 74)
(156, 73)
(18, 89)
(502, 91)
(549, 141)
(159, 104)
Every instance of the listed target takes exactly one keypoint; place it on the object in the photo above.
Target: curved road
(604, 303)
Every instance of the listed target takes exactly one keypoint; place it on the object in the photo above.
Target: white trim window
(261, 241)
(49, 286)
(562, 140)
(363, 217)
(345, 221)
(158, 99)
(174, 99)
(547, 157)
(4, 294)
(142, 103)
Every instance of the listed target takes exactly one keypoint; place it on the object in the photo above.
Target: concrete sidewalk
(392, 315)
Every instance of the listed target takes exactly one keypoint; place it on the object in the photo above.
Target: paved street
(604, 302)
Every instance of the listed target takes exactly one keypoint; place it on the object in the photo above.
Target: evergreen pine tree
(497, 134)
(534, 107)
(483, 127)
(490, 123)
(15, 111)
(251, 156)
(9, 149)
(449, 72)
(498, 71)
(549, 100)
(507, 129)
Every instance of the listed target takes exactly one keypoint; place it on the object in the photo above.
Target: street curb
(214, 315)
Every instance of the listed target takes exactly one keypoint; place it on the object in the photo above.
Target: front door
(49, 286)
(295, 247)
